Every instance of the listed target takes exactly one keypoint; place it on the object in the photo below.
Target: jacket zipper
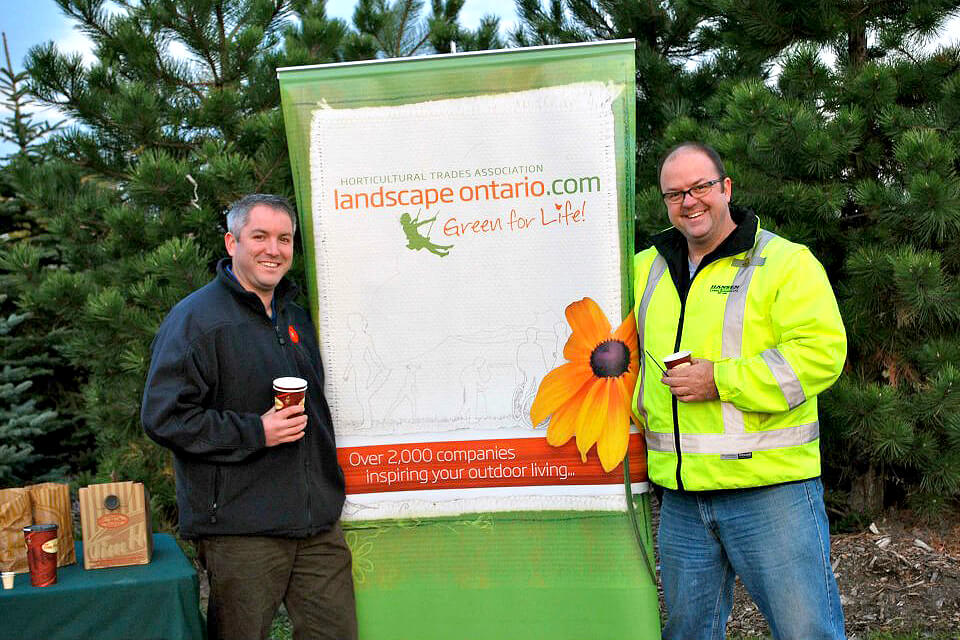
(216, 495)
(704, 262)
(673, 398)
(303, 441)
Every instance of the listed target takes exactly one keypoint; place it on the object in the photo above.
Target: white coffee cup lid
(679, 355)
(290, 384)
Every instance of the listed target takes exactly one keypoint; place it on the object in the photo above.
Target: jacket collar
(285, 292)
(673, 246)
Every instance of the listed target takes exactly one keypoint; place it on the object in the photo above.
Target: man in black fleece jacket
(259, 490)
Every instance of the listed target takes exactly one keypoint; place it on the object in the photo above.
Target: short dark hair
(705, 149)
(239, 211)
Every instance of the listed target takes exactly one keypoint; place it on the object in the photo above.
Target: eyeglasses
(702, 189)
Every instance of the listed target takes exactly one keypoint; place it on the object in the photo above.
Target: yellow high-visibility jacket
(761, 308)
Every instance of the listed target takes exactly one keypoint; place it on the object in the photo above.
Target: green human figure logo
(417, 241)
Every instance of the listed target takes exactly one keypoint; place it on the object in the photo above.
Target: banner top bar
(464, 54)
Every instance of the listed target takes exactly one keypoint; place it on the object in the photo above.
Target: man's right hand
(286, 425)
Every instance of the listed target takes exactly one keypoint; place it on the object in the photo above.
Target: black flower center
(610, 359)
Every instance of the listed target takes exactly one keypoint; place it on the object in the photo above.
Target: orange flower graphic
(590, 395)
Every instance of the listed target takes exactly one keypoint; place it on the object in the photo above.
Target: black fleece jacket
(214, 360)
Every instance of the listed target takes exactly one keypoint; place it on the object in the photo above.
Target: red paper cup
(41, 540)
(288, 392)
(678, 359)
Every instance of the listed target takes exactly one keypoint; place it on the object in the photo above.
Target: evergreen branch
(404, 17)
(88, 17)
(172, 79)
(423, 40)
(84, 163)
(278, 161)
(197, 36)
(224, 54)
(588, 14)
(278, 9)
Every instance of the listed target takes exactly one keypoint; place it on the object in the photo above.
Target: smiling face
(704, 221)
(263, 252)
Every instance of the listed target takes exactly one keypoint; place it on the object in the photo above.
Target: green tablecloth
(157, 600)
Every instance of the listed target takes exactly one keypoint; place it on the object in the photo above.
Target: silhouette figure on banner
(531, 366)
(475, 379)
(407, 392)
(366, 371)
(417, 241)
(561, 332)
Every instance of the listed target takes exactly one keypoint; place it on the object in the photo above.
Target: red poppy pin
(294, 336)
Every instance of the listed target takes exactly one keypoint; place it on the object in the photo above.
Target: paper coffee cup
(678, 359)
(8, 579)
(41, 541)
(288, 392)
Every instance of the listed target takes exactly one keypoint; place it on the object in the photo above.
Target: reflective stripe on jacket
(768, 319)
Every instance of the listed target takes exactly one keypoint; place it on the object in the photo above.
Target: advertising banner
(468, 223)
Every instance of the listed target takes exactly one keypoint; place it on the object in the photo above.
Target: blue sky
(30, 22)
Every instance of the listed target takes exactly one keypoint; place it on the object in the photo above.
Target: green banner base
(501, 576)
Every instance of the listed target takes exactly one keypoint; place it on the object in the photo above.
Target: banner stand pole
(632, 512)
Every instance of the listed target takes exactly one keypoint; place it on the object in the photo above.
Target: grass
(282, 629)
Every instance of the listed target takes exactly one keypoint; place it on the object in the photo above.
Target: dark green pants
(251, 575)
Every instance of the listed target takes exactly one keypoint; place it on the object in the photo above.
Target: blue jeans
(775, 538)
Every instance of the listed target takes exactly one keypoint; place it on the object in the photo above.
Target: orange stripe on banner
(467, 464)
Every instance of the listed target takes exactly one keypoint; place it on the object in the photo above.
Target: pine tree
(177, 117)
(21, 421)
(448, 36)
(36, 442)
(858, 158)
(19, 127)
(400, 29)
(678, 67)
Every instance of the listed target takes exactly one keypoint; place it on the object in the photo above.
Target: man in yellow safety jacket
(733, 437)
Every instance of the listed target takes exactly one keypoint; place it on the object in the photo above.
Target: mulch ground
(899, 576)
